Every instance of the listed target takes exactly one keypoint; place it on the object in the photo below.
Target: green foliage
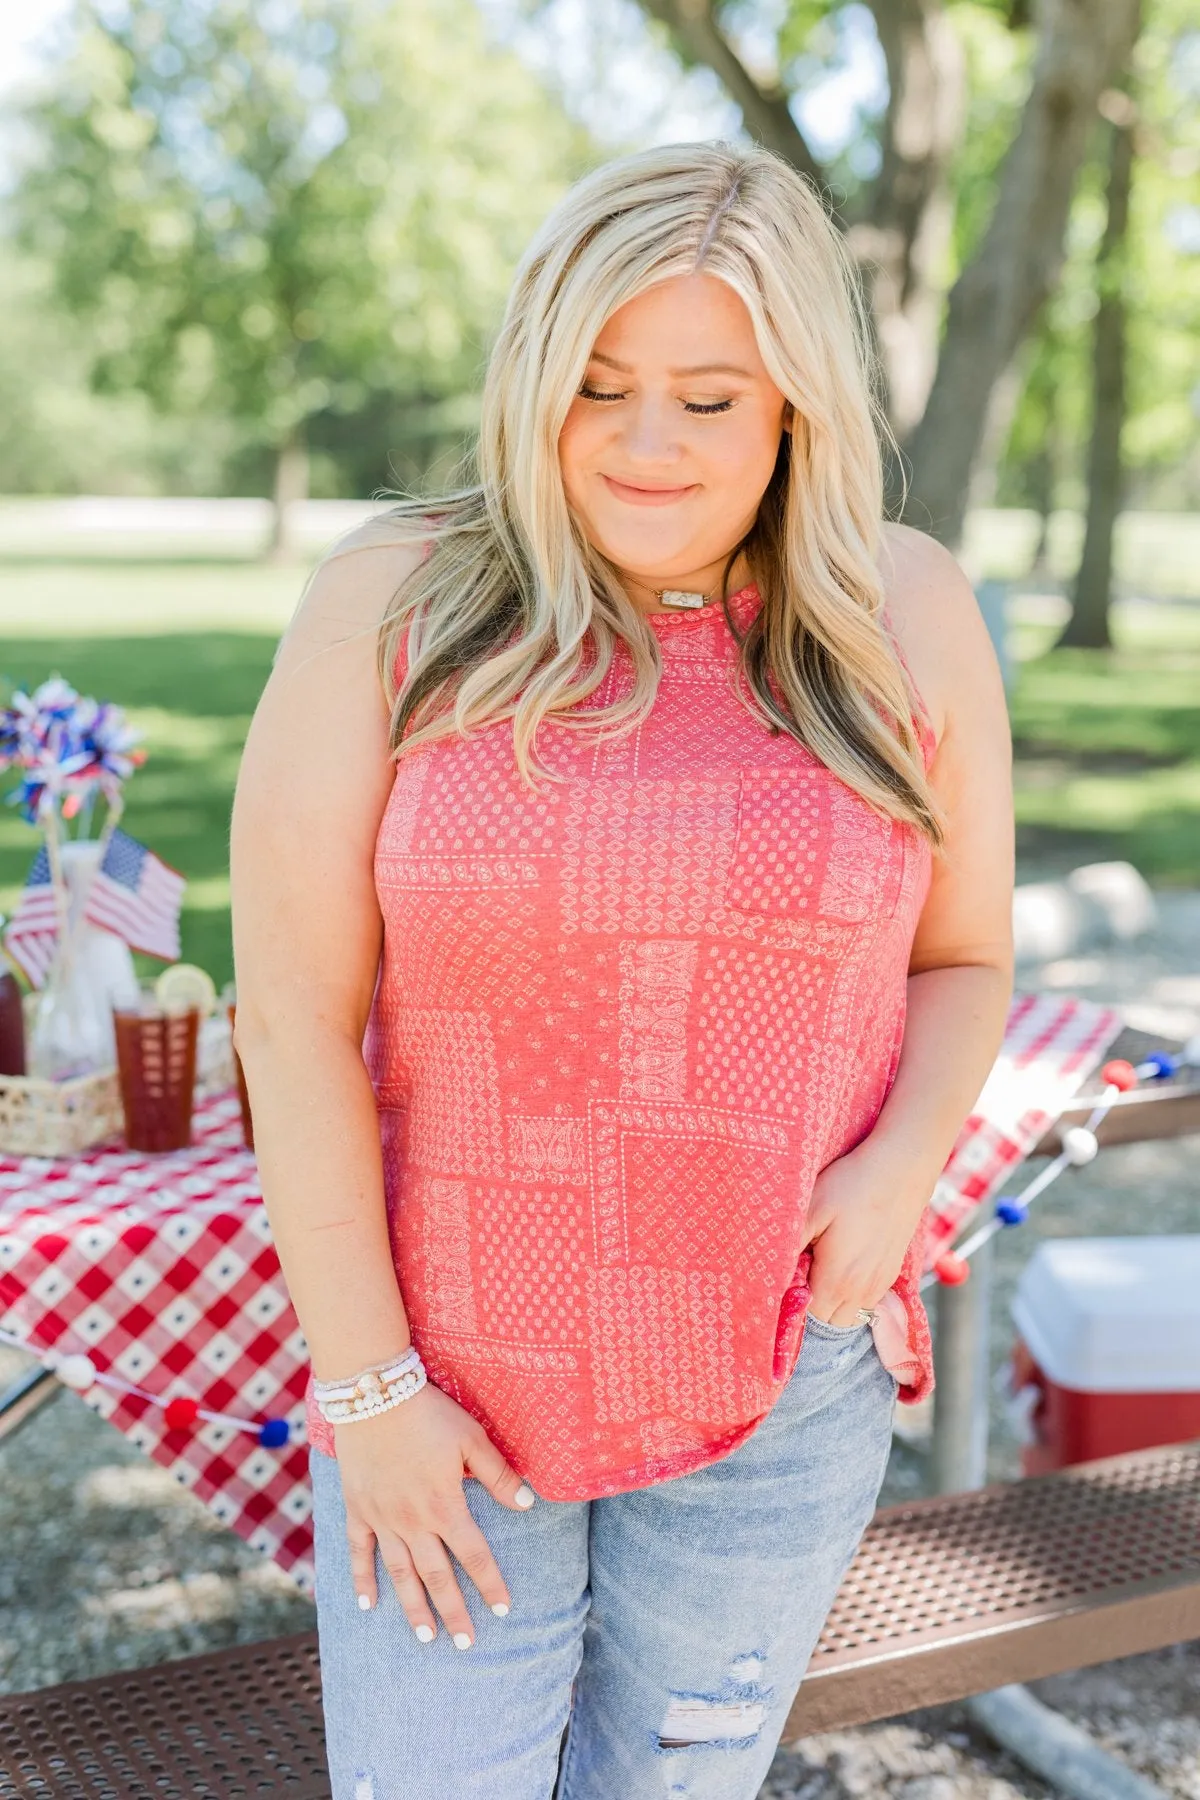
(59, 436)
(998, 68)
(1161, 282)
(281, 211)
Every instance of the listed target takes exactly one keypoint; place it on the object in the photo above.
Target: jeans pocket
(823, 1328)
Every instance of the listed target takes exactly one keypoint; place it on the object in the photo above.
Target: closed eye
(691, 406)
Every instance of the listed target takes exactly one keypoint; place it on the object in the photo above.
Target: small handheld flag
(137, 896)
(33, 929)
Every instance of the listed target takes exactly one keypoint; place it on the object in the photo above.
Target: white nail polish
(461, 1641)
(500, 1610)
(524, 1495)
(423, 1633)
(364, 1601)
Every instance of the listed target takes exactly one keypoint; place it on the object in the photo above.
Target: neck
(643, 588)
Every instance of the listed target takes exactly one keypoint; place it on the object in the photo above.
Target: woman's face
(673, 436)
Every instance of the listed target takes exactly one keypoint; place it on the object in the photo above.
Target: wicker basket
(56, 1118)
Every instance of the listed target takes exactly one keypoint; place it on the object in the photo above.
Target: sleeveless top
(620, 1026)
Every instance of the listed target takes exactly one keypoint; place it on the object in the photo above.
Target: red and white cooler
(1107, 1357)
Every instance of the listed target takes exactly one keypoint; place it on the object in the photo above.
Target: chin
(649, 556)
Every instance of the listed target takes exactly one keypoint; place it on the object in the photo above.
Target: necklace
(680, 597)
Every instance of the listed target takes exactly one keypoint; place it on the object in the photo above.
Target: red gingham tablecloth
(162, 1270)
(1051, 1045)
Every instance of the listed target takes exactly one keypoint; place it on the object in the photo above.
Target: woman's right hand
(402, 1480)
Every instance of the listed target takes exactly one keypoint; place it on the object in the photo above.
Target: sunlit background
(252, 253)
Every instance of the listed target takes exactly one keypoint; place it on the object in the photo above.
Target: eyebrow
(611, 362)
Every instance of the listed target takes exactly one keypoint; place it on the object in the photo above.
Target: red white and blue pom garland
(1079, 1147)
(952, 1268)
(78, 1371)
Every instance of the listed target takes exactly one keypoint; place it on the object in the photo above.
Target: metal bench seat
(965, 1592)
(946, 1598)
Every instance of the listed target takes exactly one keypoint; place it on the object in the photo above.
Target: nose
(649, 433)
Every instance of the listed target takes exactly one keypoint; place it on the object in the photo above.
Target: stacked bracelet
(373, 1391)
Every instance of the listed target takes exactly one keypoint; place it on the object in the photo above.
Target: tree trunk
(1088, 625)
(903, 245)
(1046, 461)
(291, 487)
(1082, 45)
(699, 38)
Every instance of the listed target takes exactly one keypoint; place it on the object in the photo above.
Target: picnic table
(162, 1270)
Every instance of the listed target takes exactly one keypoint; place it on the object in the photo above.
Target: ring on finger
(866, 1315)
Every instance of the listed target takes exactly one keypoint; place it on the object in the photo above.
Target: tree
(901, 223)
(283, 211)
(1065, 417)
(1088, 624)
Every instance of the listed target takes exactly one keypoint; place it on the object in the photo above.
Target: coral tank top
(620, 1026)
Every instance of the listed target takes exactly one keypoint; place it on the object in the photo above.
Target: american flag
(138, 897)
(33, 929)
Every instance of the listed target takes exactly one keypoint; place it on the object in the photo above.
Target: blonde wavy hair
(513, 614)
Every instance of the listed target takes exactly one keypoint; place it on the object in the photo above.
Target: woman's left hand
(861, 1220)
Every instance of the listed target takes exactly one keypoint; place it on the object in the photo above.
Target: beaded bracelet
(373, 1391)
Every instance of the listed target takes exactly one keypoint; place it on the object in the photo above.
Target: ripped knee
(364, 1787)
(729, 1719)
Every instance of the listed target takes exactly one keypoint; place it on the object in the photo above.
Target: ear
(789, 416)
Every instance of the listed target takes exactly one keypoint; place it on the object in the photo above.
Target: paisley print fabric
(621, 1024)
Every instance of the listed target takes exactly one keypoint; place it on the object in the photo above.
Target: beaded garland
(1079, 1147)
(79, 1372)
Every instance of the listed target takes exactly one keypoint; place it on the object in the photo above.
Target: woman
(598, 829)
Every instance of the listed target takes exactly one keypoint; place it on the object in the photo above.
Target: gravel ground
(109, 1564)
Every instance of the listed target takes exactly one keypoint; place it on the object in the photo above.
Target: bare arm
(868, 1204)
(313, 787)
(314, 782)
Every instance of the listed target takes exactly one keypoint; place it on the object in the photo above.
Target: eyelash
(692, 406)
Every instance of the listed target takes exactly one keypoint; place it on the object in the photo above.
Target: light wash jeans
(683, 1613)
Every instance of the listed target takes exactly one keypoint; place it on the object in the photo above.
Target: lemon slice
(183, 986)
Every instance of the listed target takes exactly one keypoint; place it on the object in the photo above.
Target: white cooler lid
(1114, 1315)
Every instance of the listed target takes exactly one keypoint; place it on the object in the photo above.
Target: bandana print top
(620, 1026)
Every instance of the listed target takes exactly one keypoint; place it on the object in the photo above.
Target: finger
(471, 1548)
(502, 1482)
(825, 1306)
(361, 1540)
(433, 1566)
(410, 1590)
(840, 1312)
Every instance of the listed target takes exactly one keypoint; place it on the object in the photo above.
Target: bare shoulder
(351, 589)
(934, 613)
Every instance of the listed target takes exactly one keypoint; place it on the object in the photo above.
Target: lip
(646, 496)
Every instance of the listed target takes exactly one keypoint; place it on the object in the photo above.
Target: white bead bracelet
(374, 1391)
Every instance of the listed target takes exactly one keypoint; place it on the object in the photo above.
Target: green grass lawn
(1108, 746)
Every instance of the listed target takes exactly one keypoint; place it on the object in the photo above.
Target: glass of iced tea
(156, 1067)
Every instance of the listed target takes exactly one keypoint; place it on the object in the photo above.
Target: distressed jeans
(667, 1628)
